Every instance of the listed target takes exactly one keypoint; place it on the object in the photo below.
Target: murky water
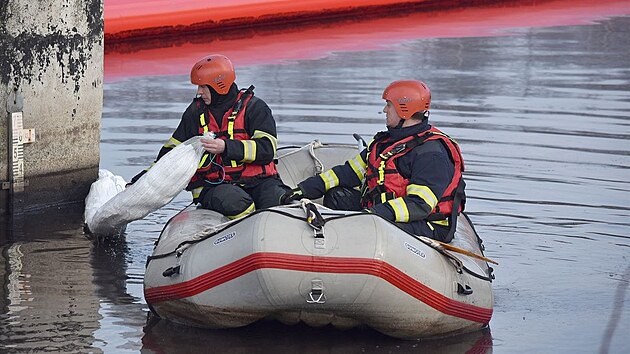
(543, 119)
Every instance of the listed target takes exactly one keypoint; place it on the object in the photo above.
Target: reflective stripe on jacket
(212, 168)
(384, 183)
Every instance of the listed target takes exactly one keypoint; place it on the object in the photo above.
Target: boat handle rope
(459, 266)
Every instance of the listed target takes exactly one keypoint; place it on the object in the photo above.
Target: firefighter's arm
(261, 147)
(430, 175)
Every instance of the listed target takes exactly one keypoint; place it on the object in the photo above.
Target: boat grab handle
(319, 293)
(464, 289)
(316, 296)
(171, 271)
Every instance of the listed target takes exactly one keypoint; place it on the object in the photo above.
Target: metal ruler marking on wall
(19, 137)
(17, 152)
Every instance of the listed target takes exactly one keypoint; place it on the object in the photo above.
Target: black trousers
(234, 200)
(342, 198)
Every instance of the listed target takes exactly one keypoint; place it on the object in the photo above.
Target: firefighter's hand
(213, 146)
(135, 178)
(291, 195)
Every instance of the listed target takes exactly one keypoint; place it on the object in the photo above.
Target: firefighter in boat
(410, 174)
(237, 173)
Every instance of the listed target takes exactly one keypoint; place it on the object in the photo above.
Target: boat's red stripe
(340, 265)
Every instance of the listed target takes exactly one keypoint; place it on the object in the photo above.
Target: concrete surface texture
(52, 57)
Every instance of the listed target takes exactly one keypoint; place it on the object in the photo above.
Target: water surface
(543, 119)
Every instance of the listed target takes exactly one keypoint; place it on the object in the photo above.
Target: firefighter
(237, 173)
(410, 174)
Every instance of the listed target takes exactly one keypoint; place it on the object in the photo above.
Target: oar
(439, 244)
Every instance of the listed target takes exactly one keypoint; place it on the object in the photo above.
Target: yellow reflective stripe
(400, 209)
(258, 134)
(171, 143)
(330, 179)
(247, 211)
(197, 192)
(249, 150)
(383, 197)
(423, 192)
(358, 166)
(440, 222)
(202, 121)
(203, 160)
(148, 168)
(381, 173)
(230, 129)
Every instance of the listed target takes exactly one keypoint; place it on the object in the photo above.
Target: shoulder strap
(457, 200)
(238, 105)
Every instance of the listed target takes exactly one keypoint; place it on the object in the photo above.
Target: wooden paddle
(441, 245)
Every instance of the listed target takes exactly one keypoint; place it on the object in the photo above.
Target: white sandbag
(156, 188)
(101, 191)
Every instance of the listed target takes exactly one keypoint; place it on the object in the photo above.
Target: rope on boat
(319, 166)
(316, 144)
(199, 235)
(312, 146)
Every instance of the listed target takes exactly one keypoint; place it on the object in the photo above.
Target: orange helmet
(215, 70)
(408, 97)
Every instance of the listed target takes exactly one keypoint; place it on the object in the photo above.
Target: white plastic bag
(101, 191)
(156, 188)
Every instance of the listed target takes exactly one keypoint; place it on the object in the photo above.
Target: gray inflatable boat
(355, 269)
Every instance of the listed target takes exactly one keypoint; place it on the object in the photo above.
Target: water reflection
(50, 303)
(113, 280)
(318, 39)
(166, 337)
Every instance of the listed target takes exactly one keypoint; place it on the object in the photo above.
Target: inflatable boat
(306, 263)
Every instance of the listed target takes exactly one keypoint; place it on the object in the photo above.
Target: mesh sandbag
(156, 188)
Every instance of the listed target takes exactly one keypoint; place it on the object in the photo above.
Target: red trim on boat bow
(340, 265)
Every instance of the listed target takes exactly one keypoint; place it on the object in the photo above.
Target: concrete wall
(51, 53)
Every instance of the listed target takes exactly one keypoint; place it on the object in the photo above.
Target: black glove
(291, 195)
(135, 178)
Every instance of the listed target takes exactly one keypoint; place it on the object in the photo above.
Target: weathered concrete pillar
(51, 67)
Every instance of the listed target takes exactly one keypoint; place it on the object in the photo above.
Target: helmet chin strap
(398, 125)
